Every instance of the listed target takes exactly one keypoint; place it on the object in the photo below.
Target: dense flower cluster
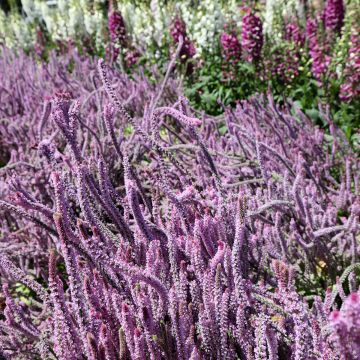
(252, 36)
(63, 21)
(284, 65)
(287, 55)
(120, 42)
(350, 88)
(177, 31)
(117, 28)
(205, 19)
(317, 50)
(276, 9)
(144, 233)
(294, 33)
(334, 15)
(284, 62)
(346, 324)
(231, 48)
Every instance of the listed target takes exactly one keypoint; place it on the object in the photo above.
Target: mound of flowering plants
(307, 51)
(134, 227)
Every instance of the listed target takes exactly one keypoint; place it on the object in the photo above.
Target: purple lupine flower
(350, 88)
(117, 28)
(284, 64)
(334, 15)
(252, 36)
(132, 57)
(317, 51)
(231, 47)
(177, 30)
(293, 33)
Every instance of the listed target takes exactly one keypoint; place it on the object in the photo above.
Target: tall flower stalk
(350, 88)
(230, 46)
(252, 36)
(177, 30)
(334, 15)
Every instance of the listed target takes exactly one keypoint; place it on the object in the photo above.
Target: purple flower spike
(177, 30)
(334, 15)
(346, 325)
(252, 36)
(117, 29)
(294, 34)
(350, 89)
(320, 59)
(231, 48)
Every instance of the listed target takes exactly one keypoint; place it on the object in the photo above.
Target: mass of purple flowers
(143, 229)
(321, 32)
(285, 63)
(309, 43)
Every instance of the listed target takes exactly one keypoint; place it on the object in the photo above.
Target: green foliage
(215, 82)
(23, 293)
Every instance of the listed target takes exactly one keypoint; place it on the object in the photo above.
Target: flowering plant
(140, 228)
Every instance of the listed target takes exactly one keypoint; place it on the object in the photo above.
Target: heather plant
(141, 228)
